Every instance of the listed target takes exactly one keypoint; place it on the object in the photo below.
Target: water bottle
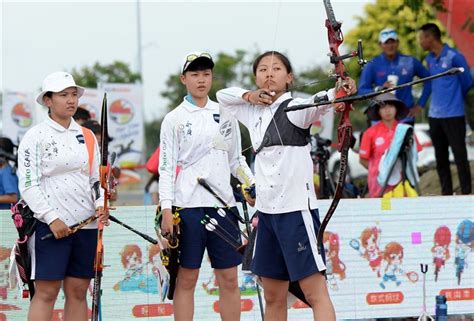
(441, 308)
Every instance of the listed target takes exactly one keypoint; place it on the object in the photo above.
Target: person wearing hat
(8, 179)
(61, 188)
(388, 110)
(204, 142)
(391, 68)
(446, 115)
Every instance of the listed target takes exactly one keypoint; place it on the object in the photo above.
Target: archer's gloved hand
(251, 191)
(249, 194)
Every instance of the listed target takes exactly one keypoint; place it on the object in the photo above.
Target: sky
(42, 37)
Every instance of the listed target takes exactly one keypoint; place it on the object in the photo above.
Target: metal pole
(139, 42)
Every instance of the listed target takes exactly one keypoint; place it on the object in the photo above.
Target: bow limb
(344, 129)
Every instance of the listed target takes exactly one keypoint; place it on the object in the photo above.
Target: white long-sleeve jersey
(204, 142)
(284, 174)
(53, 172)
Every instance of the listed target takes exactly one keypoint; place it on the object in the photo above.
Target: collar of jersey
(192, 108)
(442, 54)
(395, 123)
(397, 56)
(73, 126)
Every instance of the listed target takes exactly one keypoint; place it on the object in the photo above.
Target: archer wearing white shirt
(205, 143)
(62, 189)
(286, 245)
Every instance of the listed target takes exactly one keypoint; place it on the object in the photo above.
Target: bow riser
(344, 130)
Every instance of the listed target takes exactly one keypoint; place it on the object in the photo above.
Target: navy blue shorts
(194, 239)
(70, 256)
(286, 246)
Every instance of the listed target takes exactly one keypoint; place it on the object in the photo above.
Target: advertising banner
(18, 114)
(374, 249)
(91, 101)
(125, 111)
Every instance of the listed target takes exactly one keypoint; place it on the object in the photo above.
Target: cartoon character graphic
(211, 286)
(370, 241)
(334, 265)
(393, 256)
(464, 245)
(249, 284)
(440, 249)
(248, 287)
(159, 275)
(134, 279)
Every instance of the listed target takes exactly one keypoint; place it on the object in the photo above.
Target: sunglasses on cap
(191, 57)
(387, 34)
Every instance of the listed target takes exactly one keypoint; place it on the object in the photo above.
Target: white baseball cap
(387, 34)
(197, 57)
(56, 82)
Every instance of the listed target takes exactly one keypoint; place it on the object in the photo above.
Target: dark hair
(432, 29)
(93, 125)
(200, 64)
(286, 62)
(81, 113)
(48, 94)
(7, 151)
(6, 145)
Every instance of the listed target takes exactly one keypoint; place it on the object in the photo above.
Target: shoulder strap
(89, 138)
(281, 131)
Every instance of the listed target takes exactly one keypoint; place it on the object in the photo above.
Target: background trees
(233, 68)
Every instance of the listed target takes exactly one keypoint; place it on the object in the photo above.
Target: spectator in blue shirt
(8, 179)
(446, 115)
(390, 69)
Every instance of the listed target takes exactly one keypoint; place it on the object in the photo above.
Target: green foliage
(152, 136)
(406, 17)
(394, 14)
(116, 72)
(229, 70)
(315, 79)
(417, 5)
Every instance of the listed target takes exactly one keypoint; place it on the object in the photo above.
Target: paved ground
(429, 184)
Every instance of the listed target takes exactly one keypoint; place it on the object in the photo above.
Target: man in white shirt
(203, 142)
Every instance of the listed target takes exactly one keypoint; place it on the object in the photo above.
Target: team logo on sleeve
(226, 128)
(80, 139)
(216, 117)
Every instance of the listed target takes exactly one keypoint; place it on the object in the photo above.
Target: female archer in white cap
(61, 186)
